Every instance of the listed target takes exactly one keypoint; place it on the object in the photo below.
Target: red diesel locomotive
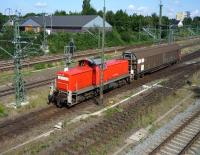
(83, 81)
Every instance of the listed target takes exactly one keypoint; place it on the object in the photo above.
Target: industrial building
(180, 16)
(70, 23)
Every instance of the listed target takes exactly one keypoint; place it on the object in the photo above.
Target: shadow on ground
(196, 90)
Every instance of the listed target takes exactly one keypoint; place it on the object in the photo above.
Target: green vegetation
(127, 30)
(3, 111)
(39, 66)
(113, 111)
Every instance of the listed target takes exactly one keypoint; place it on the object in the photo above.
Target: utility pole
(17, 56)
(102, 56)
(45, 42)
(18, 79)
(99, 38)
(160, 21)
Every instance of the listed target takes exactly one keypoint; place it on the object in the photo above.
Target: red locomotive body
(83, 81)
(85, 78)
(75, 79)
(113, 69)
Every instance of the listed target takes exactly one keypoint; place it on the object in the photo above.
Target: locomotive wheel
(59, 103)
(142, 75)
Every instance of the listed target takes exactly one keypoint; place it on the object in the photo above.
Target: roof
(74, 71)
(63, 21)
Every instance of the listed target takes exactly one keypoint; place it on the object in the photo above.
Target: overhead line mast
(18, 79)
(160, 21)
(102, 56)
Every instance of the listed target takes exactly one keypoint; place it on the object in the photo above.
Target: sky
(145, 7)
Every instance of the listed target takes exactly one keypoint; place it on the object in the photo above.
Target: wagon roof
(146, 52)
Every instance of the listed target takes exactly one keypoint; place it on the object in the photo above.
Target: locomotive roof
(93, 61)
(74, 71)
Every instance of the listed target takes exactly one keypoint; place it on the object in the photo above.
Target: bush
(3, 112)
(114, 39)
(83, 41)
(126, 36)
(49, 65)
(39, 66)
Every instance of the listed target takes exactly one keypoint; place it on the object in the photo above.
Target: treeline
(127, 29)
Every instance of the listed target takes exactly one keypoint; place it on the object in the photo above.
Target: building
(182, 15)
(71, 23)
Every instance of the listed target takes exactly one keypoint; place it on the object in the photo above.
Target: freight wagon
(148, 60)
(83, 81)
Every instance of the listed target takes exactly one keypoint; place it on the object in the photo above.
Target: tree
(30, 14)
(155, 19)
(187, 21)
(100, 13)
(122, 21)
(3, 19)
(165, 20)
(60, 13)
(196, 21)
(110, 17)
(87, 9)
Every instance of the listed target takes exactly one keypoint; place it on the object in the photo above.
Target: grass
(37, 99)
(39, 66)
(196, 78)
(3, 111)
(145, 116)
(112, 111)
(143, 119)
(190, 49)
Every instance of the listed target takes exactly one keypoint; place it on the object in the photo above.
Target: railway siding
(6, 66)
(117, 124)
(31, 85)
(182, 138)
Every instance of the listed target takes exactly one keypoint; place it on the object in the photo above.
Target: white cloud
(195, 13)
(41, 4)
(131, 7)
(139, 10)
(142, 8)
(177, 2)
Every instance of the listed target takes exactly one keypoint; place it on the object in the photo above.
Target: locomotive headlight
(132, 72)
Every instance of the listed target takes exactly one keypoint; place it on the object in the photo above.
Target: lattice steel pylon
(18, 55)
(45, 47)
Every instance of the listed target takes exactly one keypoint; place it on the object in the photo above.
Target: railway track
(8, 65)
(28, 86)
(5, 66)
(184, 140)
(11, 128)
(119, 123)
(11, 90)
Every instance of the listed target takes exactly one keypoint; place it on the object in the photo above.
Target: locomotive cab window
(83, 63)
